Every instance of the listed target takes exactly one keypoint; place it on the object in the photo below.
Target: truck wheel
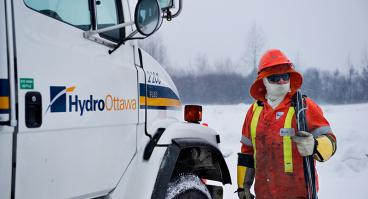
(187, 186)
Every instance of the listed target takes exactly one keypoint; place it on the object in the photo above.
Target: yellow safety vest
(288, 154)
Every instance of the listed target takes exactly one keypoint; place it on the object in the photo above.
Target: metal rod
(90, 33)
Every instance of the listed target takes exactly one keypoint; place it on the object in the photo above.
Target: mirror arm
(130, 37)
(179, 10)
(167, 15)
(88, 34)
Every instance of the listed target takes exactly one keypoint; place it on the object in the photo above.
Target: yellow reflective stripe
(253, 127)
(159, 101)
(4, 103)
(287, 143)
(241, 170)
(255, 105)
(288, 154)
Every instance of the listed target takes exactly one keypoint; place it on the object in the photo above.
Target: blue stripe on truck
(4, 96)
(157, 91)
(4, 87)
(158, 97)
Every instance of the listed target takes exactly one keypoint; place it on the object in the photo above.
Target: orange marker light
(193, 113)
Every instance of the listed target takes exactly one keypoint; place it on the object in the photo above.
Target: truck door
(6, 132)
(77, 104)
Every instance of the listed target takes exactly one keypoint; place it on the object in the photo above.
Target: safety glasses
(276, 78)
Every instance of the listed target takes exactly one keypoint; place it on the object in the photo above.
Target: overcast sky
(322, 33)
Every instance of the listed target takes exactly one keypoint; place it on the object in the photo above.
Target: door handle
(33, 109)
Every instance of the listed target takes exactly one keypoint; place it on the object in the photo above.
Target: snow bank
(344, 176)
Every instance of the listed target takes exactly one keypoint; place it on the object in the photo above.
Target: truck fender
(217, 170)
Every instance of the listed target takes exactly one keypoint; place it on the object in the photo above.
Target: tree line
(232, 88)
(224, 81)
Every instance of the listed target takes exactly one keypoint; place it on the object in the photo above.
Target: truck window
(108, 15)
(75, 13)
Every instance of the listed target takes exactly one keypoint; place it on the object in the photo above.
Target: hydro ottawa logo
(62, 100)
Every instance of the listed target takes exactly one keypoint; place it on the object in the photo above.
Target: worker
(272, 149)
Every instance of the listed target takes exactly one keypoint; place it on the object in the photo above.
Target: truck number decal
(153, 77)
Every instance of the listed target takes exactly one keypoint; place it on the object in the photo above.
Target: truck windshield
(76, 13)
(107, 15)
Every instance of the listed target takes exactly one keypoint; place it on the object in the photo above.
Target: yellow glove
(325, 148)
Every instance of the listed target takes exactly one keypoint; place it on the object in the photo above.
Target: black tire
(187, 186)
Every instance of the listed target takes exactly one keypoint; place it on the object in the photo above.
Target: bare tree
(365, 74)
(350, 78)
(154, 45)
(298, 64)
(312, 83)
(224, 66)
(201, 64)
(255, 44)
(365, 57)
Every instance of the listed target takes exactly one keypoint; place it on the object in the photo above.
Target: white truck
(85, 113)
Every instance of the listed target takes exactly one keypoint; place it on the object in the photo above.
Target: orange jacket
(271, 181)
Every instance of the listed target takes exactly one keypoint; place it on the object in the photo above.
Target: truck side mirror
(147, 16)
(166, 4)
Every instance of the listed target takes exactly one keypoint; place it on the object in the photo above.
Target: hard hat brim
(258, 90)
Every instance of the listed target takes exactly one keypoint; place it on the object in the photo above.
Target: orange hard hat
(273, 57)
(274, 62)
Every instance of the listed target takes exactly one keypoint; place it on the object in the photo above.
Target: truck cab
(86, 113)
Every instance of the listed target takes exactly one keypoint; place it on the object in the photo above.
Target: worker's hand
(244, 193)
(304, 142)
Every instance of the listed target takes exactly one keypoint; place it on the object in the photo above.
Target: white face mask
(275, 92)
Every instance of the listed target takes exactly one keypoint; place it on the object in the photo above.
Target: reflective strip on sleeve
(288, 154)
(321, 131)
(246, 141)
(253, 127)
(241, 170)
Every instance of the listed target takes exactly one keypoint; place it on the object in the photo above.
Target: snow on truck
(85, 113)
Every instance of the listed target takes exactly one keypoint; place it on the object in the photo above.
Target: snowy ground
(343, 176)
